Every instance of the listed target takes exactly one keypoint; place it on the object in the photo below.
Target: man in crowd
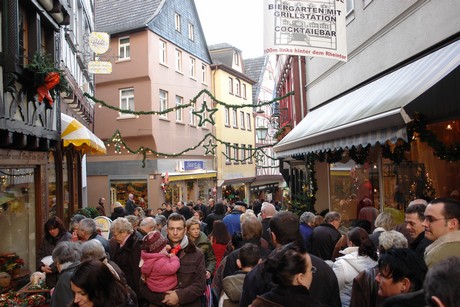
(400, 278)
(211, 204)
(130, 205)
(100, 206)
(87, 230)
(441, 283)
(415, 215)
(232, 220)
(442, 226)
(184, 210)
(267, 212)
(284, 227)
(192, 273)
(326, 235)
(147, 225)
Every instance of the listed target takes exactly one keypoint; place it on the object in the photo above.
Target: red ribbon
(175, 249)
(51, 80)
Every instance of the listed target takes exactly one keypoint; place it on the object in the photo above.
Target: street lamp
(261, 132)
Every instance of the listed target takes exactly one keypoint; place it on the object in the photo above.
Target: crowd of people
(221, 254)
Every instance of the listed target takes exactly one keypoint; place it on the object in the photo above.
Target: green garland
(192, 103)
(449, 153)
(257, 153)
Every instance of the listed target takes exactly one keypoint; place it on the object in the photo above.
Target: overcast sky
(237, 22)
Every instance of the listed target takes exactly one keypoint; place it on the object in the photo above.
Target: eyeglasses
(431, 219)
(313, 269)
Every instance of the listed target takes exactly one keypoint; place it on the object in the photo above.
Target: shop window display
(17, 216)
(120, 189)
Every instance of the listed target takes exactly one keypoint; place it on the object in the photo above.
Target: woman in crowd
(66, 256)
(219, 239)
(358, 256)
(383, 222)
(55, 232)
(126, 251)
(198, 214)
(217, 215)
(292, 271)
(202, 242)
(104, 291)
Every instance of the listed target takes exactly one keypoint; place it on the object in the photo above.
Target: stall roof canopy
(373, 113)
(73, 132)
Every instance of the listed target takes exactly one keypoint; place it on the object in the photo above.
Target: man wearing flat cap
(232, 220)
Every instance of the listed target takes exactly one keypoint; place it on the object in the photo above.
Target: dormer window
(236, 58)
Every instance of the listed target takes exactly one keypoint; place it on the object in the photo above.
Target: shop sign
(100, 67)
(193, 165)
(99, 42)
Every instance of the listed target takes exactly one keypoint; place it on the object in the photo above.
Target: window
(235, 153)
(238, 88)
(124, 49)
(350, 4)
(191, 32)
(227, 154)
(179, 102)
(192, 116)
(230, 85)
(163, 103)
(243, 153)
(248, 121)
(227, 117)
(235, 118)
(242, 119)
(192, 68)
(163, 52)
(236, 58)
(250, 153)
(127, 100)
(177, 22)
(243, 91)
(203, 73)
(178, 60)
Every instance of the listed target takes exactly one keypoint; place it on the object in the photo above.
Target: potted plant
(10, 262)
(47, 79)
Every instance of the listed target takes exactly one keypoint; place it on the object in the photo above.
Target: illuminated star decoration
(258, 156)
(210, 148)
(205, 114)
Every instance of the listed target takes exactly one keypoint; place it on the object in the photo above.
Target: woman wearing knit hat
(158, 266)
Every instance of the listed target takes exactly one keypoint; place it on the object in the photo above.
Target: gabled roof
(254, 68)
(222, 53)
(115, 16)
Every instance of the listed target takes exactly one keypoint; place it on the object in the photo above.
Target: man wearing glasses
(442, 226)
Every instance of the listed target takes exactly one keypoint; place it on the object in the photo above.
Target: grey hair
(76, 219)
(92, 250)
(384, 220)
(67, 252)
(149, 222)
(160, 220)
(134, 220)
(392, 239)
(268, 209)
(121, 224)
(307, 218)
(332, 216)
(88, 226)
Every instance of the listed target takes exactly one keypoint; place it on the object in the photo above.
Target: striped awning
(373, 113)
(73, 132)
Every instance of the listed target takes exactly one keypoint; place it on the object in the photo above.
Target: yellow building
(234, 126)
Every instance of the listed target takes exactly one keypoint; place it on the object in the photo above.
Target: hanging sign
(306, 28)
(99, 42)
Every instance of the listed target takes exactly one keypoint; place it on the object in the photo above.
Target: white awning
(73, 132)
(373, 113)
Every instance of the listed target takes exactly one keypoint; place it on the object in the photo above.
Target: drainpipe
(299, 62)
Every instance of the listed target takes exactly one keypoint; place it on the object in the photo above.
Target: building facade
(383, 125)
(269, 183)
(160, 61)
(40, 172)
(234, 126)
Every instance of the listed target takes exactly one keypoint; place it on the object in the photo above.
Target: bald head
(148, 224)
